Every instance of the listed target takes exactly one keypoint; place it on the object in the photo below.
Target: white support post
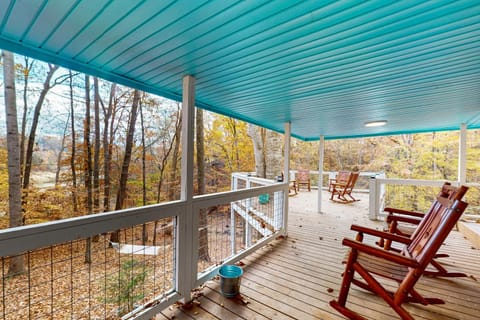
(321, 149)
(187, 236)
(286, 175)
(233, 222)
(374, 195)
(462, 155)
(233, 234)
(248, 225)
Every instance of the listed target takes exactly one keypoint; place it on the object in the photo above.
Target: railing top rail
(414, 182)
(228, 196)
(250, 177)
(51, 233)
(55, 232)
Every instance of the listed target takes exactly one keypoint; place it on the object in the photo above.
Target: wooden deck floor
(295, 278)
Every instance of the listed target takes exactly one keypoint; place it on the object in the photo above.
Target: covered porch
(296, 277)
(311, 70)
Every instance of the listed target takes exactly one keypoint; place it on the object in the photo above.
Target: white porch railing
(58, 284)
(414, 194)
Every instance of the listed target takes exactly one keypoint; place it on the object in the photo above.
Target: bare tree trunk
(107, 148)
(200, 151)
(273, 154)
(233, 125)
(60, 153)
(88, 164)
(16, 265)
(175, 155)
(122, 188)
(258, 138)
(144, 176)
(33, 129)
(26, 77)
(267, 147)
(72, 157)
(203, 219)
(96, 154)
(174, 145)
(163, 164)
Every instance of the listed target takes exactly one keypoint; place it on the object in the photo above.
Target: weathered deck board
(293, 278)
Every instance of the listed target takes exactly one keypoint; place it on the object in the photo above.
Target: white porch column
(321, 149)
(186, 271)
(286, 175)
(462, 155)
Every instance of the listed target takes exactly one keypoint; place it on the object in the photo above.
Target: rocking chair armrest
(381, 253)
(339, 184)
(412, 220)
(404, 212)
(381, 234)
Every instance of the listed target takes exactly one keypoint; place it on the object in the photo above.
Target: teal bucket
(230, 277)
(264, 198)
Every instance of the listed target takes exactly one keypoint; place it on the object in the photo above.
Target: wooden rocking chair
(372, 263)
(341, 178)
(404, 223)
(303, 179)
(343, 190)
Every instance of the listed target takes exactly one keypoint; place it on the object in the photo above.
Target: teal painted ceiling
(325, 66)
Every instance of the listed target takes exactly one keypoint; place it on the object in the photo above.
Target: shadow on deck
(296, 277)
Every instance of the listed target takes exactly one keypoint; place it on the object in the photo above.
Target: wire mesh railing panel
(410, 197)
(229, 228)
(473, 199)
(419, 198)
(93, 278)
(214, 234)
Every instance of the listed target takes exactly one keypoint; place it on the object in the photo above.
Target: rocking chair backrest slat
(429, 242)
(303, 175)
(352, 179)
(434, 216)
(342, 176)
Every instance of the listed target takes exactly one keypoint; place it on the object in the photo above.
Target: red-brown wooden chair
(406, 267)
(302, 177)
(404, 223)
(343, 190)
(341, 178)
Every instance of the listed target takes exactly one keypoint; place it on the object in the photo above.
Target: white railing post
(283, 221)
(187, 236)
(462, 155)
(248, 226)
(321, 149)
(233, 238)
(373, 199)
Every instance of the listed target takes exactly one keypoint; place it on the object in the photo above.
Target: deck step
(471, 230)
